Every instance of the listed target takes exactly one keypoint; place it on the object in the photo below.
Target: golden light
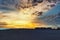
(25, 17)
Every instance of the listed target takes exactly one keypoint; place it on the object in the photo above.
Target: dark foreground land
(25, 34)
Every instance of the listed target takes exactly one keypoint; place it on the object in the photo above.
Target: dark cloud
(2, 24)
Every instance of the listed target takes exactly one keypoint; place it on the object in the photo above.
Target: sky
(9, 8)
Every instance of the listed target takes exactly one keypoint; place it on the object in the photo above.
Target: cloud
(3, 24)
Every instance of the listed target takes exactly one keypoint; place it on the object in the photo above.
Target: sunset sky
(33, 13)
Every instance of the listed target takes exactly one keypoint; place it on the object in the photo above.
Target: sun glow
(24, 17)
